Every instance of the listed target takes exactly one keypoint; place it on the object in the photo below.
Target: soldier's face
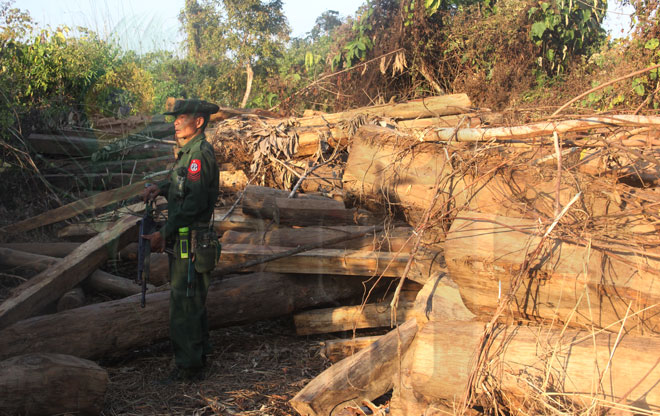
(186, 126)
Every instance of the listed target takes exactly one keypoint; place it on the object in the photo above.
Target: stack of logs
(524, 260)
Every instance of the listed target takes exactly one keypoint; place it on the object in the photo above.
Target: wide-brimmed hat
(192, 107)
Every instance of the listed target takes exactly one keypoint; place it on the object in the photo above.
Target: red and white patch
(194, 170)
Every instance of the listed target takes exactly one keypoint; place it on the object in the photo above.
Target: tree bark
(365, 375)
(47, 384)
(112, 328)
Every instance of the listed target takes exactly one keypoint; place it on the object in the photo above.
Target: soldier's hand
(157, 242)
(150, 192)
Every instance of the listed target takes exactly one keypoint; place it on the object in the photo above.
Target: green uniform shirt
(192, 188)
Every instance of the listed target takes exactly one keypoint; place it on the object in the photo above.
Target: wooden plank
(365, 375)
(347, 318)
(49, 384)
(117, 326)
(330, 261)
(81, 206)
(30, 297)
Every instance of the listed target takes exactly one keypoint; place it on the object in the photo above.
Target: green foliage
(565, 29)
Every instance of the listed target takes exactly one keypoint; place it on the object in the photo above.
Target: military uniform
(191, 190)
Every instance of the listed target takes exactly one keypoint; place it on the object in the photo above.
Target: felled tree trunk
(47, 384)
(72, 299)
(383, 169)
(113, 327)
(529, 365)
(576, 284)
(365, 375)
(390, 240)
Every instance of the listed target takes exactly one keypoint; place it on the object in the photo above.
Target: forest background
(507, 55)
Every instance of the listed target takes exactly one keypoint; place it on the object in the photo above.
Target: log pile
(511, 268)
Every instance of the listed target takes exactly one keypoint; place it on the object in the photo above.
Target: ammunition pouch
(207, 250)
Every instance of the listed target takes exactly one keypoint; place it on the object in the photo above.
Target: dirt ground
(254, 369)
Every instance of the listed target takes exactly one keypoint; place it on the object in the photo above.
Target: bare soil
(254, 369)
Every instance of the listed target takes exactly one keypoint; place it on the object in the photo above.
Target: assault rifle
(147, 225)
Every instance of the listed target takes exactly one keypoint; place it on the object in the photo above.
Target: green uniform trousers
(189, 328)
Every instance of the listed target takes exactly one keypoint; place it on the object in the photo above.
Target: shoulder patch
(194, 170)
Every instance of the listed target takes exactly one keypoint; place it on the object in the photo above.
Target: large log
(114, 327)
(527, 363)
(576, 284)
(98, 280)
(348, 318)
(395, 240)
(48, 384)
(383, 168)
(365, 375)
(46, 287)
(301, 210)
(135, 166)
(332, 261)
(81, 206)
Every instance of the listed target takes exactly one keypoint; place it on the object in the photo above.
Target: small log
(44, 249)
(365, 375)
(48, 384)
(544, 128)
(79, 207)
(337, 349)
(31, 296)
(99, 280)
(442, 105)
(62, 145)
(464, 120)
(347, 318)
(527, 362)
(72, 299)
(120, 325)
(389, 240)
(330, 261)
(575, 284)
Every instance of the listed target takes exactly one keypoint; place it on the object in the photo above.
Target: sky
(145, 25)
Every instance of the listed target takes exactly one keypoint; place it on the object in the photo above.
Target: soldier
(191, 191)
